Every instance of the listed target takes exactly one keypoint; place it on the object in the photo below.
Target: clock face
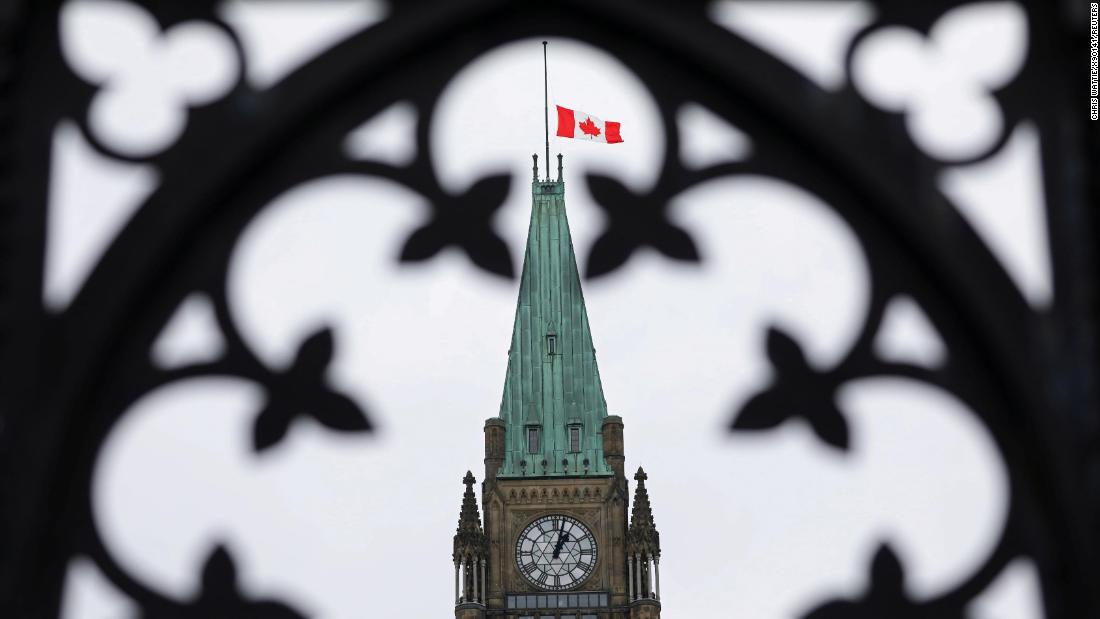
(556, 553)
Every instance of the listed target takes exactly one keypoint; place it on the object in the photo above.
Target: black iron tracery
(1024, 372)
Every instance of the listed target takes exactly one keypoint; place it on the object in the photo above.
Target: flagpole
(546, 107)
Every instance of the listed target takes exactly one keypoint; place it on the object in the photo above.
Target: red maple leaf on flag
(589, 127)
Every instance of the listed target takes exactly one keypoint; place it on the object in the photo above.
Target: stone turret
(471, 549)
(643, 544)
(494, 446)
(614, 453)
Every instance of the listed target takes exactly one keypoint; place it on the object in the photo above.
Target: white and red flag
(584, 126)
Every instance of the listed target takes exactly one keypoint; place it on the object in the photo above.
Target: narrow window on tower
(533, 440)
(552, 344)
(574, 439)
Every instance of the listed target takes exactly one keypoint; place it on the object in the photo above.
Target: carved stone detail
(555, 495)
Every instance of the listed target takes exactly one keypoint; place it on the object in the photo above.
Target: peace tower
(556, 542)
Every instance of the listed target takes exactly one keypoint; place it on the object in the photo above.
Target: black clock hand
(561, 542)
(557, 528)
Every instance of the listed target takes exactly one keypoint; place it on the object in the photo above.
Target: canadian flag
(583, 126)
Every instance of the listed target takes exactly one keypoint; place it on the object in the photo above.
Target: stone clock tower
(556, 542)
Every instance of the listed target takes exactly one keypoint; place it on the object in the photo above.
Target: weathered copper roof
(552, 381)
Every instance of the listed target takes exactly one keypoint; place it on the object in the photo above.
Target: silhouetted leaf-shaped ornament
(303, 390)
(676, 243)
(465, 221)
(339, 412)
(476, 208)
(315, 353)
(220, 597)
(633, 221)
(271, 425)
(492, 254)
(785, 353)
(886, 597)
(607, 254)
(219, 575)
(763, 411)
(423, 243)
(887, 575)
(829, 424)
(798, 391)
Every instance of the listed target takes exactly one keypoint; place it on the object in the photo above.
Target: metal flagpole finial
(546, 106)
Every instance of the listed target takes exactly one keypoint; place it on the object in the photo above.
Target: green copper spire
(553, 405)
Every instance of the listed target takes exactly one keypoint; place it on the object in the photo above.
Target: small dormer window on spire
(551, 344)
(533, 440)
(574, 439)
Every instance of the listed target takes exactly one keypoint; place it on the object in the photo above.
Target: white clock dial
(556, 553)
